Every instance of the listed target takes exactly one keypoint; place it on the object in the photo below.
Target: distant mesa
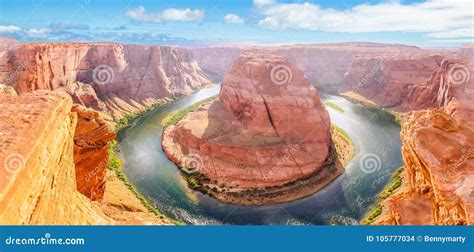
(266, 139)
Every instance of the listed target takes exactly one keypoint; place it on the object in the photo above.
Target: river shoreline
(356, 98)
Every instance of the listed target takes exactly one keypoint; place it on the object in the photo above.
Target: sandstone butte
(266, 139)
(65, 96)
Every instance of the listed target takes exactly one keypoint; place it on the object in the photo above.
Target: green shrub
(175, 117)
(335, 106)
(389, 190)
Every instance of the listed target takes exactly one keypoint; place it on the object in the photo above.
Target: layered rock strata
(265, 140)
(115, 78)
(38, 184)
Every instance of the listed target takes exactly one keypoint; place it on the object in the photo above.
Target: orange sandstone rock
(37, 177)
(90, 152)
(50, 157)
(438, 154)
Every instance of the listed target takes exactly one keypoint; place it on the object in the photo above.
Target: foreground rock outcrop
(438, 154)
(37, 179)
(265, 140)
(117, 79)
(59, 177)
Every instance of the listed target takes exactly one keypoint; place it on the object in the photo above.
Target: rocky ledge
(61, 177)
(266, 139)
(438, 154)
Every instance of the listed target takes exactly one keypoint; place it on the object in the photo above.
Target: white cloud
(438, 18)
(233, 19)
(9, 28)
(262, 2)
(38, 33)
(167, 15)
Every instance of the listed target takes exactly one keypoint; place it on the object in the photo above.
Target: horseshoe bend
(265, 139)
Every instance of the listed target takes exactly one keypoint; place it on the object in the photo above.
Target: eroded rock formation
(90, 151)
(265, 140)
(438, 154)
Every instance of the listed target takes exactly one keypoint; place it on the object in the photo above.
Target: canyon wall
(323, 64)
(115, 78)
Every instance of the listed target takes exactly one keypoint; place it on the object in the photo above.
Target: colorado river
(343, 202)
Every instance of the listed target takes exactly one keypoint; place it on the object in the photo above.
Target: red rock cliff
(123, 78)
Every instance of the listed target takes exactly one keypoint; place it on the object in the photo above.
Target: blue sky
(430, 23)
